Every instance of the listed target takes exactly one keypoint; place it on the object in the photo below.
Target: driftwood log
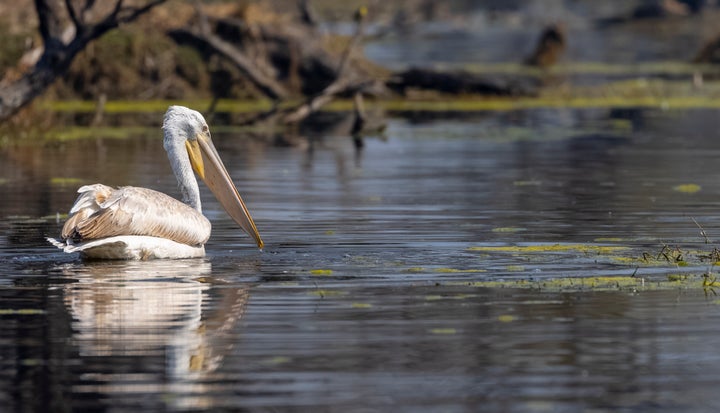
(459, 82)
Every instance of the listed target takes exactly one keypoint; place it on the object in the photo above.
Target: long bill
(210, 168)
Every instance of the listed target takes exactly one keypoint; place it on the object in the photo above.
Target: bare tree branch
(203, 24)
(135, 12)
(58, 54)
(110, 21)
(50, 24)
(88, 5)
(73, 15)
(307, 15)
(359, 29)
(266, 84)
(340, 85)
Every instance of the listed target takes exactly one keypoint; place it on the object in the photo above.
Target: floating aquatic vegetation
(619, 254)
(443, 270)
(22, 311)
(435, 297)
(443, 331)
(687, 188)
(62, 181)
(527, 183)
(327, 293)
(457, 270)
(546, 248)
(92, 132)
(684, 281)
(277, 360)
(509, 229)
(609, 239)
(506, 318)
(361, 305)
(321, 272)
(629, 93)
(150, 106)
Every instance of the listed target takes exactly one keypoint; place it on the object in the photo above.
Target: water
(475, 36)
(375, 291)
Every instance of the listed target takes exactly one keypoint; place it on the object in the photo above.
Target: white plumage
(140, 223)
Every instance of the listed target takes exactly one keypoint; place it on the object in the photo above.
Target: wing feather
(101, 212)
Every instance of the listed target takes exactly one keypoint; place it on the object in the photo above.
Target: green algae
(361, 305)
(442, 270)
(79, 132)
(609, 239)
(527, 183)
(578, 284)
(508, 229)
(321, 272)
(443, 331)
(506, 318)
(629, 93)
(550, 248)
(706, 282)
(65, 181)
(664, 255)
(277, 360)
(159, 106)
(457, 270)
(22, 311)
(687, 188)
(327, 293)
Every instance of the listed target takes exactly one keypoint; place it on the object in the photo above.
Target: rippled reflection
(128, 317)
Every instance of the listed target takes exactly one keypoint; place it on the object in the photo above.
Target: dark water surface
(375, 291)
(599, 32)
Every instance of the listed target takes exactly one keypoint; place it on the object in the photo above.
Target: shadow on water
(422, 271)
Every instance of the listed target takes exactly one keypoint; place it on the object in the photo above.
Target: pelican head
(189, 147)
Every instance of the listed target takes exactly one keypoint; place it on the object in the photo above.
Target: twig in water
(702, 231)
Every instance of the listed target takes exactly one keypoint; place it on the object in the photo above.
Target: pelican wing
(101, 212)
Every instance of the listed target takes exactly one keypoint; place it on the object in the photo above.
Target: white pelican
(139, 223)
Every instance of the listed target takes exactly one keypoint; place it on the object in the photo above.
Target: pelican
(139, 223)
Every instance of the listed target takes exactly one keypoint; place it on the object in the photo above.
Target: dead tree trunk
(59, 51)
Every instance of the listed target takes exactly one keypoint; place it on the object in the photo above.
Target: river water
(384, 284)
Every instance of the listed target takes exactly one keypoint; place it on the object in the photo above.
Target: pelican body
(140, 223)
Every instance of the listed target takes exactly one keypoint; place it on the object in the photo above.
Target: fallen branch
(204, 41)
(341, 85)
(456, 82)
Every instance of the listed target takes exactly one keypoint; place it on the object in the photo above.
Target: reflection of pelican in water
(167, 322)
(139, 223)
